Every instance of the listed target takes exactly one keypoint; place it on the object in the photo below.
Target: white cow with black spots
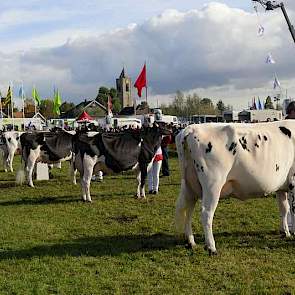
(9, 144)
(243, 160)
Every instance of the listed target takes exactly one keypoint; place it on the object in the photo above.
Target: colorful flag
(8, 96)
(269, 59)
(260, 107)
(141, 81)
(36, 96)
(254, 107)
(56, 102)
(21, 92)
(276, 83)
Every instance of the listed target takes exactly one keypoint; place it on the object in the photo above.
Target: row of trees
(192, 104)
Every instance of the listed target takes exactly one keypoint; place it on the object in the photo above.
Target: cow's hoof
(190, 246)
(210, 252)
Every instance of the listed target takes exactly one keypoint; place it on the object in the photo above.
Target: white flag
(276, 83)
(260, 31)
(269, 59)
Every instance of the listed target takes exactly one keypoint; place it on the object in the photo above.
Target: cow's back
(251, 158)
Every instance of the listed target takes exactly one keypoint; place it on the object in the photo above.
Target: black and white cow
(117, 152)
(10, 142)
(46, 147)
(241, 160)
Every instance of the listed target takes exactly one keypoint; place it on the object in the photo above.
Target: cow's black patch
(277, 167)
(243, 143)
(202, 168)
(291, 186)
(232, 146)
(9, 139)
(286, 131)
(264, 137)
(256, 145)
(209, 148)
(259, 137)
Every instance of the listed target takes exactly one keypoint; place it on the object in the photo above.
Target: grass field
(52, 243)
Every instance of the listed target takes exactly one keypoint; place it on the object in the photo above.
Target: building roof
(92, 106)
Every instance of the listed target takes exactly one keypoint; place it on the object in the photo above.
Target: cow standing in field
(117, 152)
(46, 147)
(10, 142)
(242, 160)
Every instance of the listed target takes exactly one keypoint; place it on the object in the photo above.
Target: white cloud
(214, 50)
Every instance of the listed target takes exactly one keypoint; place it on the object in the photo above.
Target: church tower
(124, 90)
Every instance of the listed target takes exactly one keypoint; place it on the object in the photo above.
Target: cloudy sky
(211, 48)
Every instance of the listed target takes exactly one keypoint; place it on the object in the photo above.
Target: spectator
(154, 173)
(164, 145)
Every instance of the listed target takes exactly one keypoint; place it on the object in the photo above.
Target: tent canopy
(85, 117)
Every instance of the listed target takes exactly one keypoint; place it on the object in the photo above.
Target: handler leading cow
(243, 160)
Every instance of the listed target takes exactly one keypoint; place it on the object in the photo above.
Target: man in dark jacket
(164, 145)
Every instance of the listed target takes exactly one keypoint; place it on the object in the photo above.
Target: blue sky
(206, 47)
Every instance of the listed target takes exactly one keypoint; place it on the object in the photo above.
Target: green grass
(52, 243)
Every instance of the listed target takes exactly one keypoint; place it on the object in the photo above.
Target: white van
(129, 122)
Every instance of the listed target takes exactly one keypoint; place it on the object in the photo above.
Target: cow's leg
(283, 203)
(73, 171)
(5, 160)
(210, 198)
(144, 169)
(10, 159)
(88, 165)
(138, 177)
(184, 212)
(291, 199)
(30, 164)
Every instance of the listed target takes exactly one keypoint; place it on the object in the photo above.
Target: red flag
(141, 81)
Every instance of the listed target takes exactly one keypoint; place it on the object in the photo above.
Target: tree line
(191, 104)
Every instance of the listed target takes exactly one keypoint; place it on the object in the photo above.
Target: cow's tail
(181, 209)
(20, 177)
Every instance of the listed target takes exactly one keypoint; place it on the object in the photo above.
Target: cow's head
(152, 136)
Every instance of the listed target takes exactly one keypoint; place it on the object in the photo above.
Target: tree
(207, 107)
(220, 107)
(66, 106)
(46, 108)
(268, 103)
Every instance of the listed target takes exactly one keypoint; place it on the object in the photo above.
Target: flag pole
(1, 110)
(12, 116)
(23, 105)
(34, 89)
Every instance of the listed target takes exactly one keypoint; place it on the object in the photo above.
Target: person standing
(290, 110)
(154, 173)
(164, 145)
